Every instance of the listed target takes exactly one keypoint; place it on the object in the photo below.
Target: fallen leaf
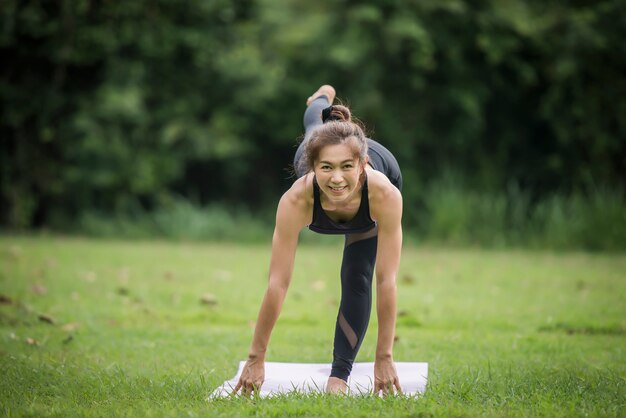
(39, 273)
(46, 318)
(408, 279)
(5, 300)
(123, 275)
(71, 326)
(90, 276)
(15, 252)
(122, 291)
(39, 289)
(208, 299)
(222, 275)
(318, 285)
(32, 341)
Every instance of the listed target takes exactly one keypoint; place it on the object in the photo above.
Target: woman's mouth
(338, 190)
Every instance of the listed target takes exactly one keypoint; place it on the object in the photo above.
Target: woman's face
(337, 171)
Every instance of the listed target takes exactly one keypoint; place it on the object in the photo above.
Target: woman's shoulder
(300, 194)
(379, 186)
(382, 194)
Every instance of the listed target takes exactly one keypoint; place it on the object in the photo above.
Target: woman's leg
(312, 119)
(320, 100)
(357, 271)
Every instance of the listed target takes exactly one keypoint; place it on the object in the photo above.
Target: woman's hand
(386, 377)
(251, 378)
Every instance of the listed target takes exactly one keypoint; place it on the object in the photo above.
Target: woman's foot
(336, 386)
(326, 90)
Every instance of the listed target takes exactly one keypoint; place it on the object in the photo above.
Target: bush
(179, 220)
(595, 220)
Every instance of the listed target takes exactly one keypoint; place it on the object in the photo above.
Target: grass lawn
(118, 329)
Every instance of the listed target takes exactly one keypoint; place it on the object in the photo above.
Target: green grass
(505, 333)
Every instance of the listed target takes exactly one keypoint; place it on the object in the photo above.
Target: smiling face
(337, 171)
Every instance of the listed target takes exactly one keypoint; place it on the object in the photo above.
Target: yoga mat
(283, 378)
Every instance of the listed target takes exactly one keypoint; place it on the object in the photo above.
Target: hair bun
(337, 113)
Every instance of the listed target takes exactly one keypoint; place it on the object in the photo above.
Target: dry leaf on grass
(39, 272)
(47, 319)
(123, 275)
(39, 289)
(90, 276)
(70, 327)
(32, 341)
(5, 300)
(408, 279)
(318, 285)
(122, 291)
(208, 299)
(222, 275)
(15, 252)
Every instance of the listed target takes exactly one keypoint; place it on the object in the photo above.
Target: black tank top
(322, 224)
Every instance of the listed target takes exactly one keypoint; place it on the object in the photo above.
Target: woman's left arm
(389, 218)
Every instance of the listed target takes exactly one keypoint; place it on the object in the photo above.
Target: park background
(179, 119)
(144, 146)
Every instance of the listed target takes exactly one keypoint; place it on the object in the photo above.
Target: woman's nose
(337, 177)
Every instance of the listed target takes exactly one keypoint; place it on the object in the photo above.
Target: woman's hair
(338, 128)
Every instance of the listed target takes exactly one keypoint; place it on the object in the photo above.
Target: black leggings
(357, 270)
(359, 256)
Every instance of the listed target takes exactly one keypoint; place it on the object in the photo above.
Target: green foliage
(178, 220)
(109, 104)
(458, 216)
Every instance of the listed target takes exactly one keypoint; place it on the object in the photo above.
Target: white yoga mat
(284, 378)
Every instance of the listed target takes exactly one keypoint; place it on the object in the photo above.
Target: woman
(348, 184)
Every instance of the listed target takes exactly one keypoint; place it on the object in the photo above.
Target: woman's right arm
(290, 218)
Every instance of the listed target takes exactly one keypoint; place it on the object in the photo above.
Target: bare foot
(326, 90)
(336, 386)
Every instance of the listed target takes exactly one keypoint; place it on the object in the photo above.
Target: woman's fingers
(389, 387)
(396, 382)
(247, 387)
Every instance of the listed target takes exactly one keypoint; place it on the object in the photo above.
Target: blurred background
(179, 119)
